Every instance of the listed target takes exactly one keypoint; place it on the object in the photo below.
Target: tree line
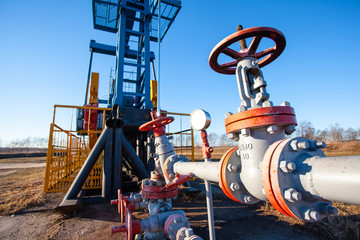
(335, 133)
(29, 142)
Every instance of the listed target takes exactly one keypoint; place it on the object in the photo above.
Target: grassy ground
(22, 188)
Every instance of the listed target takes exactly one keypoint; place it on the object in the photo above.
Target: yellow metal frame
(67, 152)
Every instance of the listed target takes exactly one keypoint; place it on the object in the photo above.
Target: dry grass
(342, 148)
(22, 160)
(216, 155)
(24, 188)
(21, 189)
(344, 226)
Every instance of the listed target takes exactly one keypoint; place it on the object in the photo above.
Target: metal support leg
(117, 167)
(88, 165)
(107, 167)
(210, 212)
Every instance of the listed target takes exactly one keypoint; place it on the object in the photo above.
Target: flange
(260, 117)
(169, 165)
(229, 178)
(282, 167)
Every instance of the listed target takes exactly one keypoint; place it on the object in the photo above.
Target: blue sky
(44, 52)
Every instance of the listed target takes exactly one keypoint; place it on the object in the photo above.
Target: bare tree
(213, 139)
(336, 133)
(322, 135)
(225, 141)
(351, 134)
(305, 129)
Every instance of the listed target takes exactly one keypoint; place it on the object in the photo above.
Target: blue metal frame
(132, 20)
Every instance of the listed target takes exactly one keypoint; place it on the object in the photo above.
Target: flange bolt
(298, 146)
(312, 215)
(234, 186)
(287, 166)
(292, 195)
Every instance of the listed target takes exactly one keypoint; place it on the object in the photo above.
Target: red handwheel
(157, 123)
(257, 33)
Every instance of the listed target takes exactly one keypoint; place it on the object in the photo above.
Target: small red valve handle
(206, 149)
(157, 125)
(258, 33)
(178, 180)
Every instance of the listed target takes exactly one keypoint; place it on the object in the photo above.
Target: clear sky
(44, 54)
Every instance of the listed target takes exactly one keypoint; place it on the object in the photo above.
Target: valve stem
(242, 42)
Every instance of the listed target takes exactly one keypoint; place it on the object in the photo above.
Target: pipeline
(293, 174)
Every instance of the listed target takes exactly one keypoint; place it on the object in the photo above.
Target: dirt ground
(35, 217)
(232, 220)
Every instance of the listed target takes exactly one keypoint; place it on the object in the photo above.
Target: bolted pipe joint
(296, 177)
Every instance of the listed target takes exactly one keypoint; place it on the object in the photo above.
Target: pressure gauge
(200, 119)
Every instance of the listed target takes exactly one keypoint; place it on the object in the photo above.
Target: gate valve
(178, 180)
(263, 57)
(157, 125)
(131, 227)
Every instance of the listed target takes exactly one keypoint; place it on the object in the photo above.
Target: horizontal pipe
(204, 170)
(333, 178)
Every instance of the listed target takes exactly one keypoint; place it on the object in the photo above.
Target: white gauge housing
(200, 119)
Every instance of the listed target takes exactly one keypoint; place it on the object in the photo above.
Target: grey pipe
(333, 178)
(204, 170)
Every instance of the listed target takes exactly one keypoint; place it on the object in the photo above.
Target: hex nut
(292, 195)
(245, 132)
(289, 129)
(285, 104)
(267, 104)
(234, 186)
(247, 199)
(233, 136)
(231, 168)
(320, 144)
(298, 146)
(287, 167)
(272, 129)
(303, 145)
(228, 114)
(242, 108)
(312, 215)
